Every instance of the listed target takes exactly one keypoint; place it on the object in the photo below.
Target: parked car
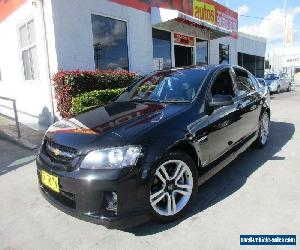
(144, 155)
(278, 83)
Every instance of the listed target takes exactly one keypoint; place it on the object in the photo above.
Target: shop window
(223, 54)
(201, 52)
(110, 43)
(29, 51)
(161, 49)
(255, 64)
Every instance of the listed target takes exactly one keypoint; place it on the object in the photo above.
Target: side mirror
(221, 100)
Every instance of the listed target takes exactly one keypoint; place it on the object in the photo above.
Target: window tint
(255, 82)
(29, 51)
(110, 43)
(162, 48)
(222, 84)
(261, 82)
(243, 82)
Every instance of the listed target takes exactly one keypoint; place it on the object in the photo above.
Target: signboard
(183, 40)
(207, 10)
(288, 35)
(204, 11)
(7, 7)
(291, 61)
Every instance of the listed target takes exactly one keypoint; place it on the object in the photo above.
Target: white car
(277, 83)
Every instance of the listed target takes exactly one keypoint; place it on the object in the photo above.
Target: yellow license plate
(50, 181)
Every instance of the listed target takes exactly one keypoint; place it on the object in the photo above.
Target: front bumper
(83, 194)
(272, 88)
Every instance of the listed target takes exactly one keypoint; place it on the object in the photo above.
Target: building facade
(40, 37)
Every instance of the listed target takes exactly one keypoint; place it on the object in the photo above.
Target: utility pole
(284, 30)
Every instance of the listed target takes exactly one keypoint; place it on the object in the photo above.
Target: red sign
(183, 40)
(207, 10)
(9, 6)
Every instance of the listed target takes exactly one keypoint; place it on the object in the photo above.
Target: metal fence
(15, 112)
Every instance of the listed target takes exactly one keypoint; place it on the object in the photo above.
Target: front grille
(61, 156)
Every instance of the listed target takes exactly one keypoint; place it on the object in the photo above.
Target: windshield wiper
(175, 101)
(158, 101)
(142, 100)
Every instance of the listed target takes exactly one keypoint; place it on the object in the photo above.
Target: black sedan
(144, 155)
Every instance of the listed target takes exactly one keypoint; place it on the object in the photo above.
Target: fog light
(112, 202)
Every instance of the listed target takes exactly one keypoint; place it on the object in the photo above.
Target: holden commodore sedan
(144, 155)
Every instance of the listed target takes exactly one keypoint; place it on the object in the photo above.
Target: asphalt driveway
(258, 193)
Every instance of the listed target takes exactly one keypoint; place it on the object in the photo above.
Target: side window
(255, 82)
(223, 84)
(243, 82)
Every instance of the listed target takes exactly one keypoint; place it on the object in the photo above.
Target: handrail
(16, 114)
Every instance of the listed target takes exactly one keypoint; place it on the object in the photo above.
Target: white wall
(251, 45)
(32, 96)
(74, 37)
(214, 49)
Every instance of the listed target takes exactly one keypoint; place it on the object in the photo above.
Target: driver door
(224, 122)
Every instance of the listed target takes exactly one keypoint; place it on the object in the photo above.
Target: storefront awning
(177, 21)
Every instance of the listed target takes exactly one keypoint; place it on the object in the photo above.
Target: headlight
(111, 158)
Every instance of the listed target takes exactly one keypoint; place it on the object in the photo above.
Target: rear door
(249, 99)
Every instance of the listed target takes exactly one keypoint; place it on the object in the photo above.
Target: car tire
(289, 88)
(278, 90)
(263, 133)
(173, 187)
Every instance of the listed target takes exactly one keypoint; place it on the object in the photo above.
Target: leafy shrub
(70, 84)
(93, 99)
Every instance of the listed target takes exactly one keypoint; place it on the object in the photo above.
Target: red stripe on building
(7, 7)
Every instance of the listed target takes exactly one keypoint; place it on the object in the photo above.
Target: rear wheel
(289, 88)
(173, 187)
(263, 133)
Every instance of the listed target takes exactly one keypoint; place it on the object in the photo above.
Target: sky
(270, 23)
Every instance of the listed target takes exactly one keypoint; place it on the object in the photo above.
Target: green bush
(93, 99)
(71, 85)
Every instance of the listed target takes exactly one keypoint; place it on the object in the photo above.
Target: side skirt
(214, 170)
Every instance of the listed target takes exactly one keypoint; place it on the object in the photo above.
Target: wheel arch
(189, 149)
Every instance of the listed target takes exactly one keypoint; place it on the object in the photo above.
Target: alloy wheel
(172, 187)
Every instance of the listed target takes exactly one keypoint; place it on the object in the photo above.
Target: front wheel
(173, 187)
(289, 88)
(278, 90)
(263, 133)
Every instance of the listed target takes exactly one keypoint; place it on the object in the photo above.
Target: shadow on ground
(13, 156)
(231, 178)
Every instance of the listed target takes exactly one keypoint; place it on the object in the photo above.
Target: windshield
(272, 77)
(166, 86)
